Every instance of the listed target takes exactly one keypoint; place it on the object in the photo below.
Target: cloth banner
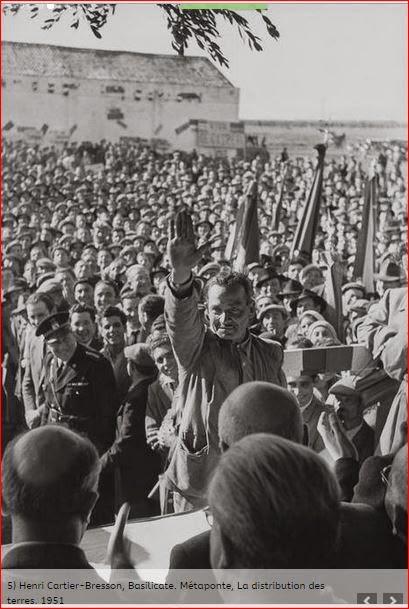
(307, 226)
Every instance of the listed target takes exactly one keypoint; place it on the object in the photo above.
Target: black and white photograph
(204, 302)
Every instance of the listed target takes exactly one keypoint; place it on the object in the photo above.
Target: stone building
(52, 94)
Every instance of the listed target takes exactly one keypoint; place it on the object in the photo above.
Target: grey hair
(276, 504)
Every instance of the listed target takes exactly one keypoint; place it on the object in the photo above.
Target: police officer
(80, 389)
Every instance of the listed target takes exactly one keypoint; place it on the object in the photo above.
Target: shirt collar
(351, 433)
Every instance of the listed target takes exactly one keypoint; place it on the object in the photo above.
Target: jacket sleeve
(185, 328)
(346, 472)
(130, 430)
(282, 380)
(382, 340)
(106, 397)
(276, 358)
(119, 451)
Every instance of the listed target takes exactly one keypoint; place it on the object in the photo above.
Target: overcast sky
(332, 62)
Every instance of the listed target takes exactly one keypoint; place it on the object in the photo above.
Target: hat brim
(52, 335)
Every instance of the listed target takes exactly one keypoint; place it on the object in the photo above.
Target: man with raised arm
(213, 359)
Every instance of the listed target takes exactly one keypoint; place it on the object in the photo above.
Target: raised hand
(182, 251)
(333, 261)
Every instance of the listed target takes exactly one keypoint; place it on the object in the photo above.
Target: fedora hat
(317, 299)
(291, 288)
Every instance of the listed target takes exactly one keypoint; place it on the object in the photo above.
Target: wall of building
(212, 138)
(108, 109)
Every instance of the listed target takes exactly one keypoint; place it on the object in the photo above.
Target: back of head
(276, 505)
(259, 407)
(49, 475)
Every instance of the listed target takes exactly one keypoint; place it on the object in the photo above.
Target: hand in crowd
(334, 437)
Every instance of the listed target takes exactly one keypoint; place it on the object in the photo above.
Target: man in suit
(254, 408)
(384, 333)
(137, 466)
(39, 306)
(49, 506)
(50, 486)
(349, 407)
(129, 303)
(374, 526)
(80, 390)
(302, 387)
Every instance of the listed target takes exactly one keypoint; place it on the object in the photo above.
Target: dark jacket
(362, 484)
(83, 396)
(119, 367)
(364, 442)
(365, 542)
(194, 553)
(45, 556)
(138, 466)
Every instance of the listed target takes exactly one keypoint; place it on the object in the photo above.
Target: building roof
(22, 58)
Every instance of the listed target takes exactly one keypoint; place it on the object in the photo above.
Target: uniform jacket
(384, 332)
(209, 369)
(86, 392)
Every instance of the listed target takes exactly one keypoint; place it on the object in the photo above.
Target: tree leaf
(96, 32)
(183, 26)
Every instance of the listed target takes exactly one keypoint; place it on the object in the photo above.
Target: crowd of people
(124, 321)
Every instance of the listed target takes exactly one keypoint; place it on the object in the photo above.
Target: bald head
(46, 454)
(259, 407)
(50, 474)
